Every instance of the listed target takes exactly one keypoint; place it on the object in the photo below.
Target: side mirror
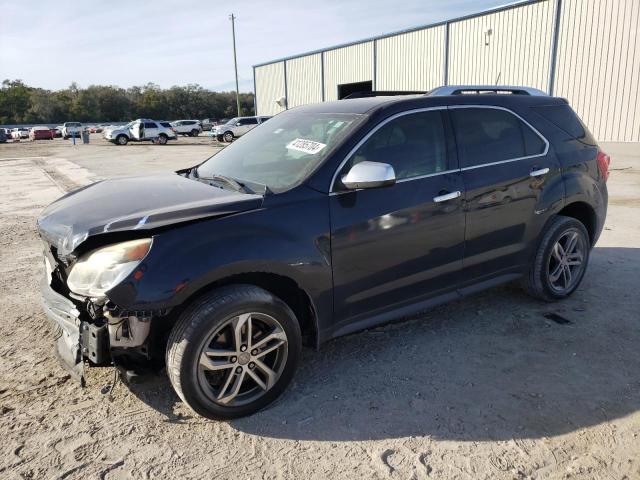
(369, 175)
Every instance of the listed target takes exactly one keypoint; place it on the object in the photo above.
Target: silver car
(236, 127)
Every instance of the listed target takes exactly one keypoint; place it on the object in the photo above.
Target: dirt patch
(495, 386)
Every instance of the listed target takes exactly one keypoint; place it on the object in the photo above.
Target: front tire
(228, 137)
(122, 140)
(560, 261)
(194, 133)
(233, 352)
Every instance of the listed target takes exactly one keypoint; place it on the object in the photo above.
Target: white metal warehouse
(585, 50)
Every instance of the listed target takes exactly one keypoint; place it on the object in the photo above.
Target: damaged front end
(92, 328)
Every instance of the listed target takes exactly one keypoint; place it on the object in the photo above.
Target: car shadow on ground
(495, 366)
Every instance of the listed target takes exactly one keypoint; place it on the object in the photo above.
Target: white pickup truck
(71, 129)
(140, 130)
(187, 127)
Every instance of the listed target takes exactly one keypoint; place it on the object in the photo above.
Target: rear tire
(248, 334)
(560, 262)
(162, 139)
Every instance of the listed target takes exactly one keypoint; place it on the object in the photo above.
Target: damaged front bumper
(66, 319)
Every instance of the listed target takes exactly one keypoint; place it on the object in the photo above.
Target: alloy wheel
(242, 359)
(567, 261)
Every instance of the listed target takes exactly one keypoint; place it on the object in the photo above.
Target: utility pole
(232, 17)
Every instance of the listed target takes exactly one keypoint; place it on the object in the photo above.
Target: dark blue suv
(327, 219)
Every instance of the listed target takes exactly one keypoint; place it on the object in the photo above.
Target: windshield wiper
(232, 182)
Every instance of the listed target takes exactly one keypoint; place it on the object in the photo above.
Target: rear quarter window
(563, 117)
(489, 135)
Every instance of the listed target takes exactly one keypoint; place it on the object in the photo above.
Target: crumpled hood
(135, 203)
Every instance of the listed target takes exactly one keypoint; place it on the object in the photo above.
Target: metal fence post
(445, 80)
(286, 89)
(322, 74)
(554, 47)
(255, 93)
(374, 67)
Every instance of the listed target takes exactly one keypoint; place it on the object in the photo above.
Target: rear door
(397, 245)
(506, 167)
(150, 130)
(246, 124)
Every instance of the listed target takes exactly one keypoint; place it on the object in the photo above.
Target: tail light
(604, 161)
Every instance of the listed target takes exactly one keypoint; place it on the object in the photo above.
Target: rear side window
(563, 117)
(487, 135)
(249, 121)
(150, 125)
(165, 124)
(412, 144)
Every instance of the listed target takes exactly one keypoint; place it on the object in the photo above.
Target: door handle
(539, 172)
(447, 196)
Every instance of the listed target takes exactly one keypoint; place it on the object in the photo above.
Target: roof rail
(384, 93)
(466, 89)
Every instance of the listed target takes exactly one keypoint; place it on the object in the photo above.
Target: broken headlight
(103, 269)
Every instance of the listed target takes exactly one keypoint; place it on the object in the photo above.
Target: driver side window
(413, 144)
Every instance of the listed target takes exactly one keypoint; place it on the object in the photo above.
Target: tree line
(20, 103)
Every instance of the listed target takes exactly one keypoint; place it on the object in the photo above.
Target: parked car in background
(71, 129)
(236, 127)
(95, 129)
(40, 133)
(19, 132)
(57, 131)
(140, 130)
(191, 128)
(3, 135)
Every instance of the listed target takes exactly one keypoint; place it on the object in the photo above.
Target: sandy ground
(481, 388)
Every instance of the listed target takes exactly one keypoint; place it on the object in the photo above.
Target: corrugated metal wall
(304, 83)
(516, 53)
(269, 87)
(597, 61)
(598, 65)
(411, 61)
(347, 65)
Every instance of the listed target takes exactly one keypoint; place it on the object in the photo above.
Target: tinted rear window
(487, 135)
(563, 117)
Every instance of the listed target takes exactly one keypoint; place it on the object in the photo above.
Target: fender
(257, 241)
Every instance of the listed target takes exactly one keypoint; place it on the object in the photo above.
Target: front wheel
(560, 261)
(122, 140)
(228, 137)
(233, 352)
(194, 133)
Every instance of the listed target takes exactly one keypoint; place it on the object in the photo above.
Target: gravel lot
(481, 388)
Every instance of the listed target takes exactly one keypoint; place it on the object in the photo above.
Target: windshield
(282, 152)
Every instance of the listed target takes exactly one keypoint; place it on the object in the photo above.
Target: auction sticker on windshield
(306, 146)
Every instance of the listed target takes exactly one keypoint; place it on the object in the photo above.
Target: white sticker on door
(306, 146)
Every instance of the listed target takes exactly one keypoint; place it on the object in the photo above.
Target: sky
(125, 43)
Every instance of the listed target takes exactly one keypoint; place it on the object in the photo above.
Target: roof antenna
(498, 77)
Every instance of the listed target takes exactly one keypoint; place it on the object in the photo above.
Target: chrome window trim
(449, 107)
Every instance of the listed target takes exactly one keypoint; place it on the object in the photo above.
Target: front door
(506, 165)
(397, 245)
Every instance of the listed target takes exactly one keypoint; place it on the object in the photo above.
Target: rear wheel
(561, 260)
(233, 352)
(122, 140)
(162, 139)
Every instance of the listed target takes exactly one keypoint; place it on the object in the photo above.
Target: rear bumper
(66, 320)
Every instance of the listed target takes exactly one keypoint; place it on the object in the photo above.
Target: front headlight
(103, 269)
